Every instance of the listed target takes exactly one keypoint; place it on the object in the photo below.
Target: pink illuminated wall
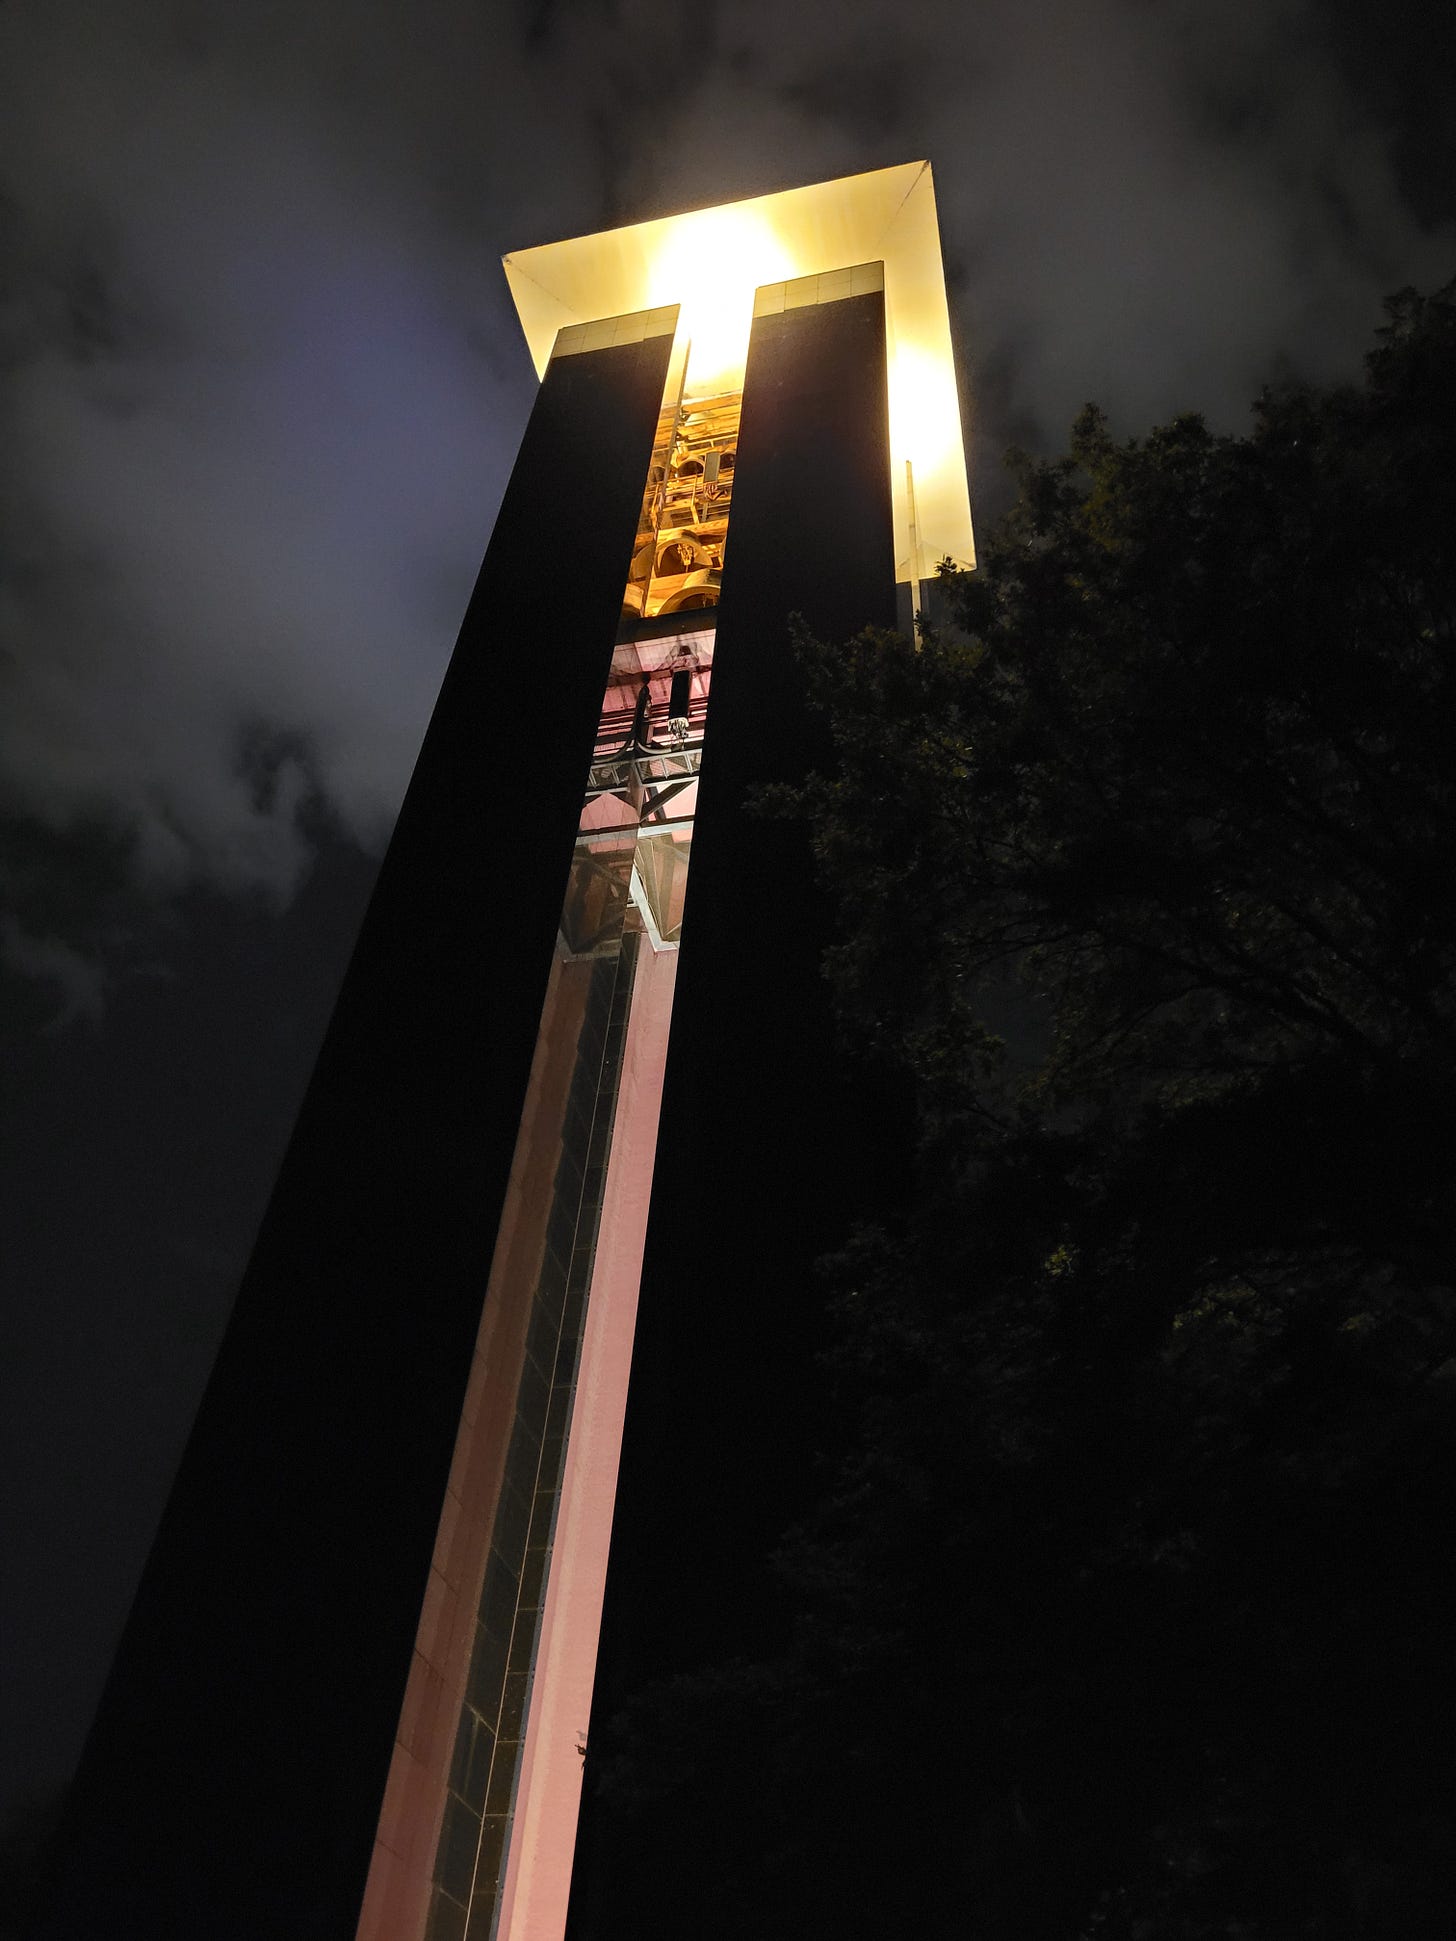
(397, 1892)
(538, 1871)
(548, 1793)
(636, 824)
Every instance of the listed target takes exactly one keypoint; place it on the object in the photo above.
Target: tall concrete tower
(581, 1053)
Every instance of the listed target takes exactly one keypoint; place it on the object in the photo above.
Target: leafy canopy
(1119, 1613)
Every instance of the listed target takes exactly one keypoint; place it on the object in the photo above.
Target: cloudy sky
(260, 388)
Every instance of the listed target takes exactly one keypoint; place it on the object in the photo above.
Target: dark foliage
(1124, 1613)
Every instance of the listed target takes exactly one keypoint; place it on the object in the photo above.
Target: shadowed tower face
(581, 1046)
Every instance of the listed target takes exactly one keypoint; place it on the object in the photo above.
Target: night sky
(260, 390)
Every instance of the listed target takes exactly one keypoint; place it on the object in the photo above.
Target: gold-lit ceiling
(711, 261)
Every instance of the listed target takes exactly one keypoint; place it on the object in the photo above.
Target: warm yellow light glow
(709, 261)
(925, 420)
(712, 270)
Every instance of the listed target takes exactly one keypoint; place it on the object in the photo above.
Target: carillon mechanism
(677, 562)
(635, 837)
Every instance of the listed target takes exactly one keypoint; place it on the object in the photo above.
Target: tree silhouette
(1121, 1611)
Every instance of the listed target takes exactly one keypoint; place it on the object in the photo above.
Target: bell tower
(581, 1061)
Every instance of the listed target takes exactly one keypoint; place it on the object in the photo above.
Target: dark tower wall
(231, 1785)
(768, 1147)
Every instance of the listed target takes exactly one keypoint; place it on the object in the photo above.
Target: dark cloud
(263, 385)
(867, 88)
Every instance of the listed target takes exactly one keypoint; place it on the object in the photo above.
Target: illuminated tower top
(722, 266)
